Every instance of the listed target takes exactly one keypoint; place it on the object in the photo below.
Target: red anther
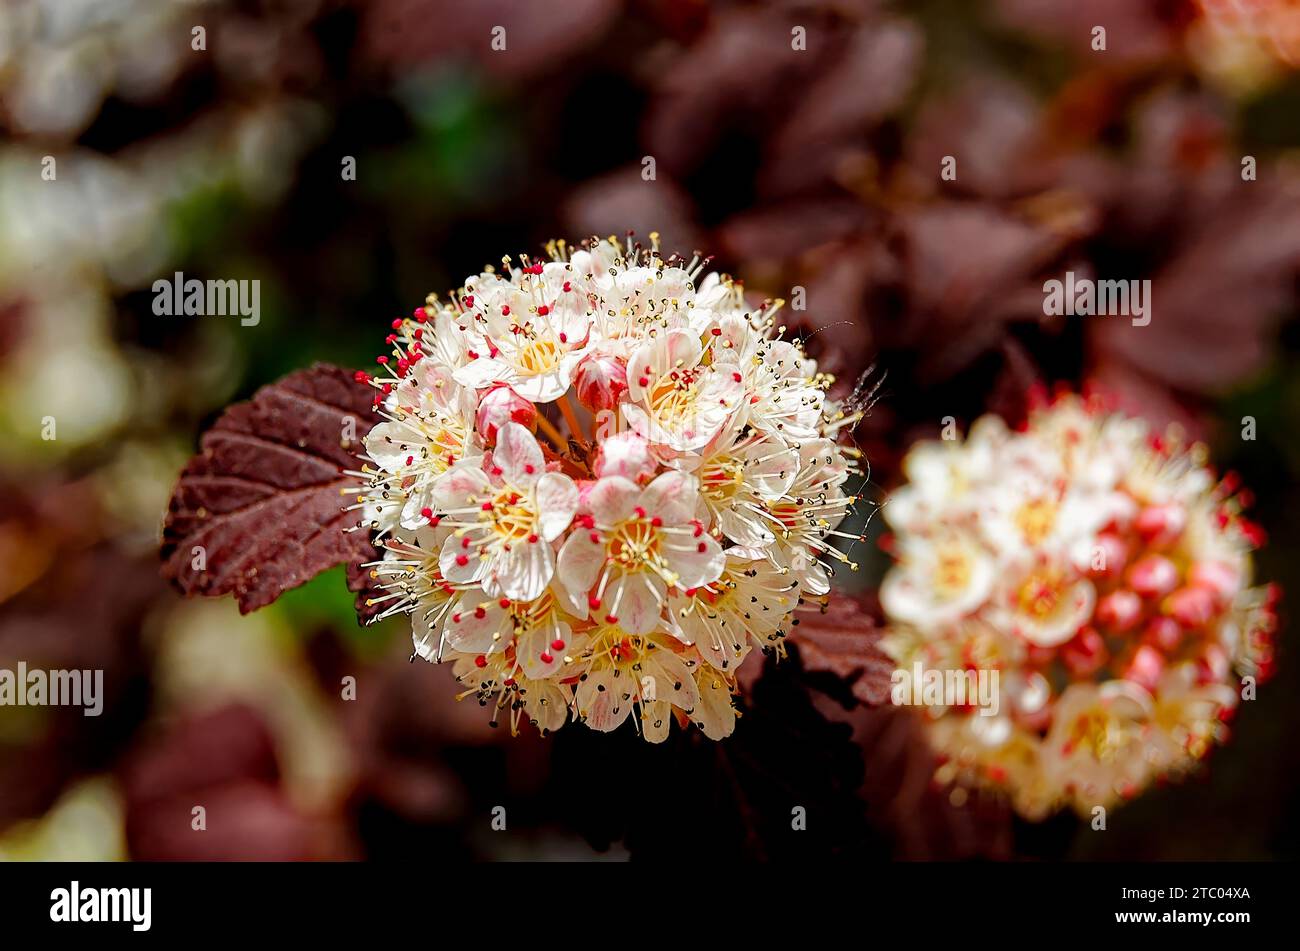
(737, 377)
(543, 310)
(462, 560)
(504, 602)
(426, 512)
(420, 314)
(611, 618)
(530, 468)
(464, 542)
(381, 360)
(397, 324)
(1252, 532)
(595, 538)
(532, 539)
(410, 460)
(557, 645)
(567, 287)
(435, 519)
(480, 612)
(702, 547)
(480, 661)
(487, 506)
(657, 522)
(716, 331)
(640, 512)
(643, 381)
(564, 338)
(546, 658)
(386, 388)
(587, 521)
(690, 592)
(361, 376)
(473, 355)
(469, 300)
(390, 339)
(455, 618)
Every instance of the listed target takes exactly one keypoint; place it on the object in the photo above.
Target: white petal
(473, 622)
(579, 563)
(637, 601)
(557, 500)
(518, 456)
(604, 700)
(671, 496)
(697, 561)
(523, 572)
(612, 499)
(473, 569)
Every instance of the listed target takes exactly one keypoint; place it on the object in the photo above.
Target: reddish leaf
(844, 640)
(264, 498)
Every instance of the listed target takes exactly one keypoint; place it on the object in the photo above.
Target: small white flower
(505, 513)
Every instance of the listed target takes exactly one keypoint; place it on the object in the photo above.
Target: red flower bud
(1191, 607)
(599, 381)
(1153, 577)
(1161, 525)
(1119, 611)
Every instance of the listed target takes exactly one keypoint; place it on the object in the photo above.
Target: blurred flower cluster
(1104, 573)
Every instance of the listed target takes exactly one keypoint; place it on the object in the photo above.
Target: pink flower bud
(599, 380)
(1085, 653)
(1191, 607)
(1153, 576)
(1108, 557)
(1163, 633)
(625, 454)
(1119, 611)
(1146, 667)
(1218, 577)
(501, 405)
(1214, 665)
(1161, 524)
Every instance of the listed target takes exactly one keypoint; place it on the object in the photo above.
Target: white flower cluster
(672, 513)
(1104, 573)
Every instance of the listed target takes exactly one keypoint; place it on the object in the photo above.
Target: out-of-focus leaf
(844, 641)
(265, 498)
(225, 761)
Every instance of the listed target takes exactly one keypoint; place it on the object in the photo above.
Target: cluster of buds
(1104, 573)
(599, 482)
